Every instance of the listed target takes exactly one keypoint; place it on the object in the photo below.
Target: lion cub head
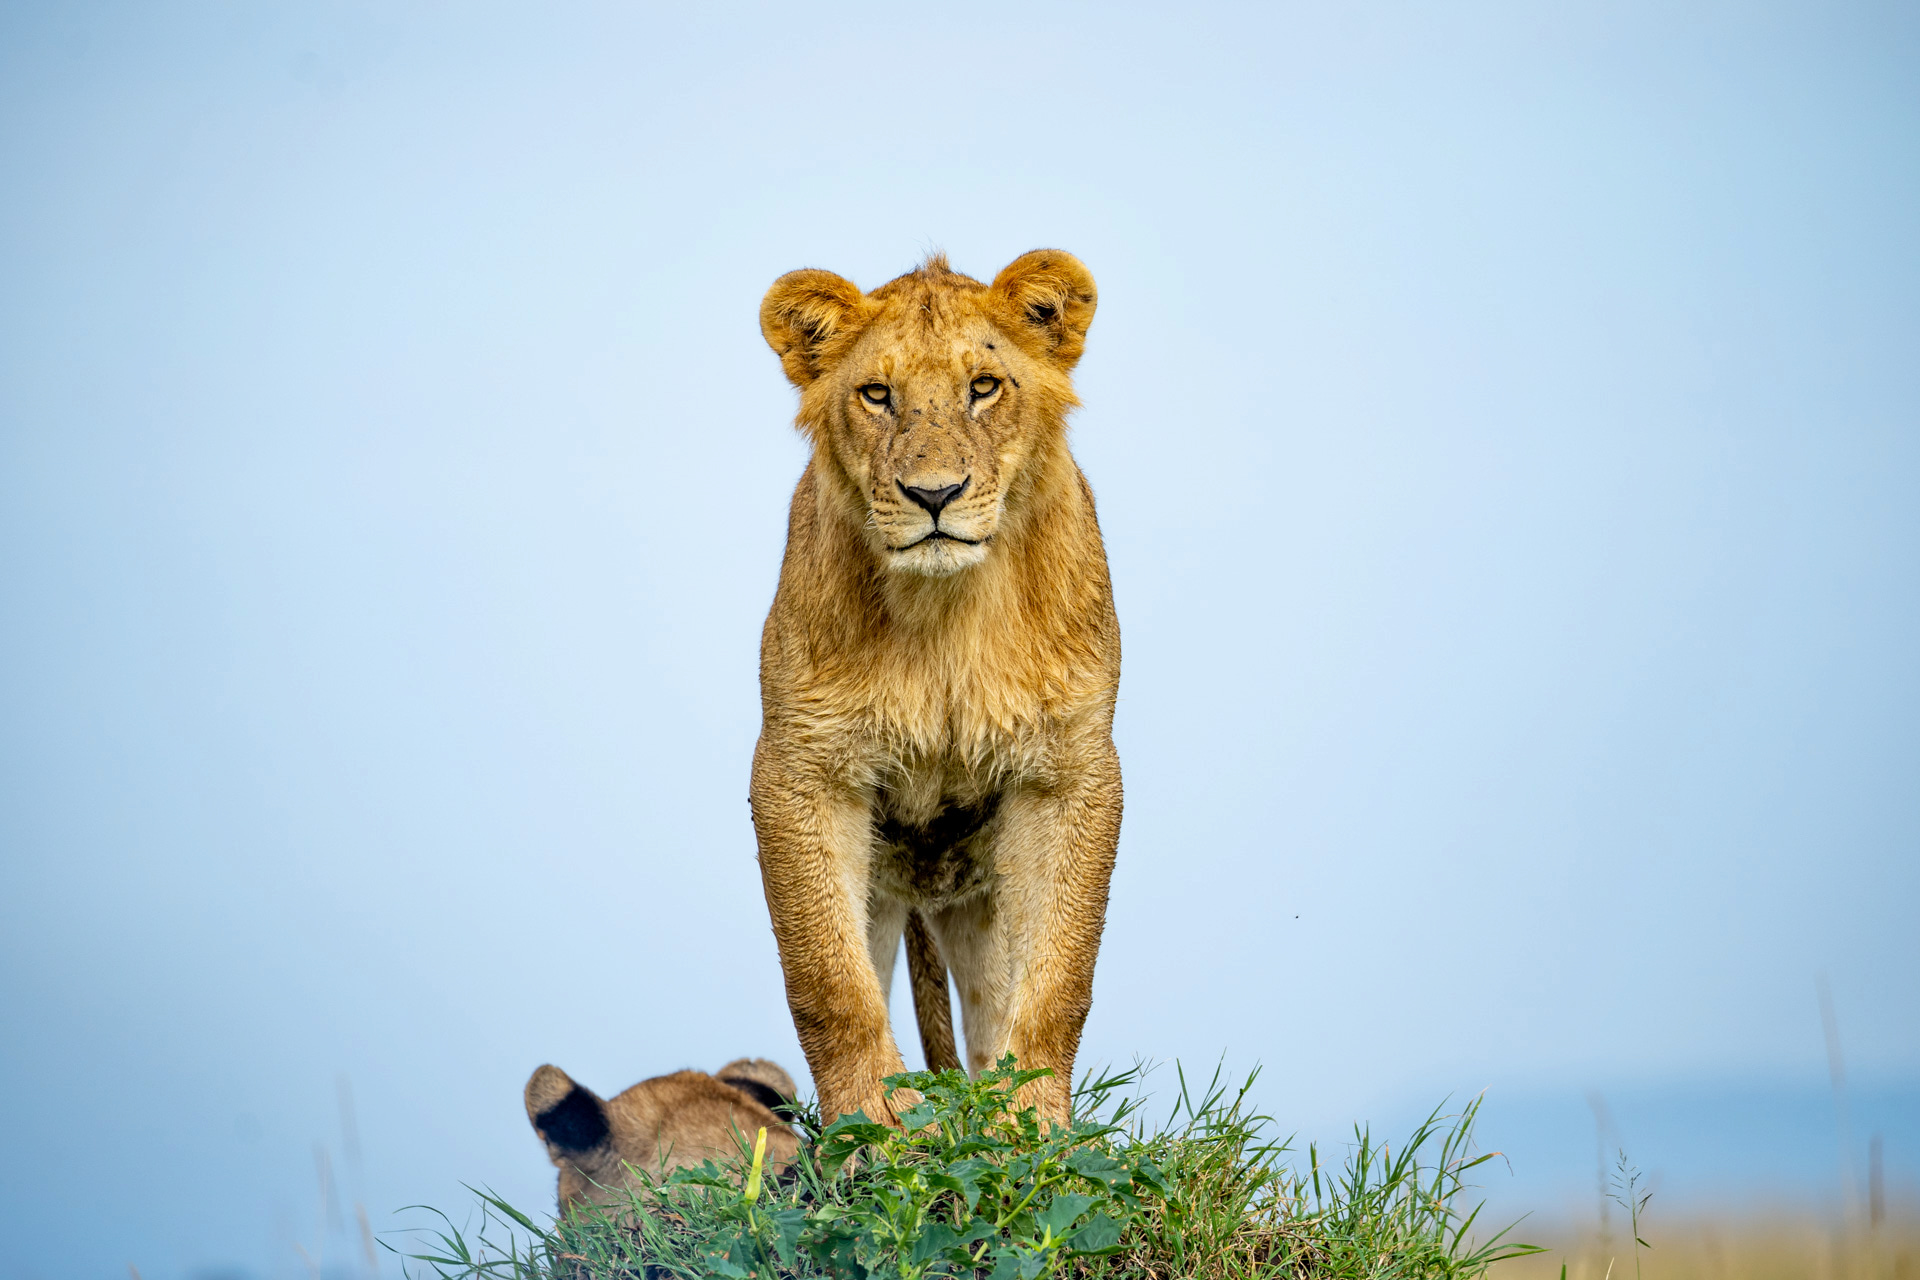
(657, 1126)
(932, 394)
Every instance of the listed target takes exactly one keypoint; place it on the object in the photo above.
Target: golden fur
(657, 1126)
(938, 672)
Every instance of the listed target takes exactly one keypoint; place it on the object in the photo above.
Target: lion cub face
(657, 1126)
(928, 398)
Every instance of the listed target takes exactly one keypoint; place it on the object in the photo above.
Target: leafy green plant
(971, 1184)
(964, 1184)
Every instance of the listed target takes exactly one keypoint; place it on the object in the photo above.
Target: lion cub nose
(934, 499)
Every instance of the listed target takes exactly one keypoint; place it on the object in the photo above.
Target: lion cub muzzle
(933, 501)
(935, 524)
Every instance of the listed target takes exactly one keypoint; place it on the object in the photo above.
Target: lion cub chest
(933, 844)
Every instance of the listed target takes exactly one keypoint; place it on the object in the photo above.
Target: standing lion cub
(938, 671)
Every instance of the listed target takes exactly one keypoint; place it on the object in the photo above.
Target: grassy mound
(974, 1187)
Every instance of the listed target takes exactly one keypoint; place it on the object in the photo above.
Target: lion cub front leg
(1023, 956)
(815, 845)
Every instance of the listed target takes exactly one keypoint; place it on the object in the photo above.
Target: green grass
(974, 1187)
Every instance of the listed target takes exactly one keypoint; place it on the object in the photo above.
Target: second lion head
(935, 400)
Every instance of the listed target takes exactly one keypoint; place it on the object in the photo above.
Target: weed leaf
(1062, 1213)
(1095, 1167)
(1100, 1235)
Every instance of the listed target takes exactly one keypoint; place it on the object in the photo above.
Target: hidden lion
(657, 1126)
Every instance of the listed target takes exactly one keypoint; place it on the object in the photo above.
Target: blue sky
(1506, 430)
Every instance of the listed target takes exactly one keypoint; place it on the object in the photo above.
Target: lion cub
(658, 1125)
(938, 675)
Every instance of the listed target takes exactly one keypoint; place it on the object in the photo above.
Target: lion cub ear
(571, 1119)
(1049, 295)
(802, 316)
(763, 1081)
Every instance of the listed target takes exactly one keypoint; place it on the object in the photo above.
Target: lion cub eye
(875, 393)
(984, 386)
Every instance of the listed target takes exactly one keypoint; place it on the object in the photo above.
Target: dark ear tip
(763, 1081)
(574, 1120)
(765, 1071)
(576, 1123)
(767, 1097)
